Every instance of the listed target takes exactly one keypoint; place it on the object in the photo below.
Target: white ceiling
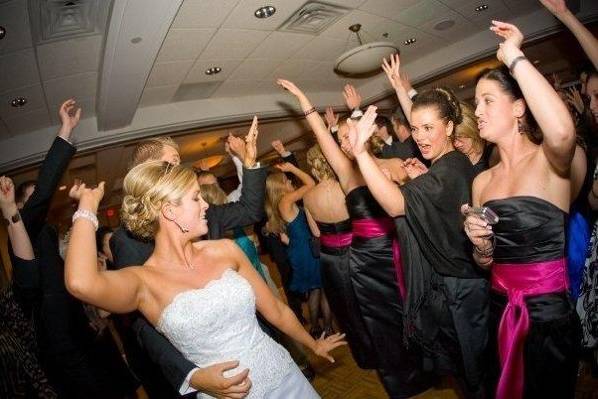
(134, 86)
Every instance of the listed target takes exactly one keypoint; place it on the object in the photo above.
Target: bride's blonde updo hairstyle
(147, 187)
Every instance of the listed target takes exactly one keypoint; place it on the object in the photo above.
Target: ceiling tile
(461, 28)
(80, 86)
(203, 14)
(3, 130)
(14, 17)
(157, 95)
(184, 44)
(294, 69)
(242, 15)
(168, 73)
(233, 43)
(523, 6)
(33, 94)
(423, 11)
(197, 72)
(245, 87)
(347, 3)
(34, 120)
(280, 45)
(386, 8)
(322, 49)
(467, 9)
(254, 69)
(372, 27)
(18, 69)
(68, 57)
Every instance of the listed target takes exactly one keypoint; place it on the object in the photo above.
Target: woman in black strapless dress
(534, 331)
(371, 267)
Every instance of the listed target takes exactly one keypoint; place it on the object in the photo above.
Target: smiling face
(190, 213)
(496, 110)
(431, 132)
(343, 138)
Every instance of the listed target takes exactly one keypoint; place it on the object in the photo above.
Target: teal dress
(306, 268)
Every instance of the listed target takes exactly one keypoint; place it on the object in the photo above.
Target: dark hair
(22, 188)
(592, 74)
(444, 100)
(383, 121)
(399, 116)
(510, 86)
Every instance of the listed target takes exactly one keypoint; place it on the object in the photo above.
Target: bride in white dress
(202, 295)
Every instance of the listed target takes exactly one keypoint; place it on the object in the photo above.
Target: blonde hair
(147, 187)
(469, 127)
(320, 168)
(213, 194)
(151, 149)
(275, 189)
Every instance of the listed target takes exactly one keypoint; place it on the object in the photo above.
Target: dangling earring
(520, 126)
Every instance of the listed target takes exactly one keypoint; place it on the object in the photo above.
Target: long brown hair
(275, 189)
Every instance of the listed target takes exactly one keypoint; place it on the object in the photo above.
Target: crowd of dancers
(435, 242)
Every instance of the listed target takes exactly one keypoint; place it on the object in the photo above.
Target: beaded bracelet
(309, 111)
(85, 214)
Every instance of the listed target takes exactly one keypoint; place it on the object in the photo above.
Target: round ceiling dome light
(364, 58)
(264, 12)
(2, 32)
(409, 41)
(444, 25)
(18, 102)
(213, 70)
(481, 7)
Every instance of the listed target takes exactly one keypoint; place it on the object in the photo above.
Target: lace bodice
(218, 323)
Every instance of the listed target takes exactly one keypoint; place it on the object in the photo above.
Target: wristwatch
(14, 219)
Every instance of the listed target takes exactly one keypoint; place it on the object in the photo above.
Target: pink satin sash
(336, 240)
(371, 228)
(519, 281)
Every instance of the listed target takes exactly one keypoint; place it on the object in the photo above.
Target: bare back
(326, 202)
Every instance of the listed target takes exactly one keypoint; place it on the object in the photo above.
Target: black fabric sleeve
(248, 210)
(26, 282)
(127, 251)
(172, 363)
(36, 208)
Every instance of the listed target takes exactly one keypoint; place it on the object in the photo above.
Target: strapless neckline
(206, 287)
(526, 197)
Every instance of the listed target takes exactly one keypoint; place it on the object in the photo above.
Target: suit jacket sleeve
(248, 210)
(172, 363)
(128, 251)
(36, 208)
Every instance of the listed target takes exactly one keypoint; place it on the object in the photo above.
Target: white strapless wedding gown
(218, 323)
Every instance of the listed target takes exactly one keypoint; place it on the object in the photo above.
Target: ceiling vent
(196, 91)
(313, 18)
(53, 20)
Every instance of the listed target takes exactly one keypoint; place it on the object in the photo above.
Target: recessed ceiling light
(264, 12)
(409, 41)
(444, 25)
(2, 32)
(18, 102)
(213, 70)
(481, 7)
(136, 40)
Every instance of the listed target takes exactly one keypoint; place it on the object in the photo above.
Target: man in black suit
(127, 251)
(396, 134)
(66, 342)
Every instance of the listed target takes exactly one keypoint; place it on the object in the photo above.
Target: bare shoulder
(219, 251)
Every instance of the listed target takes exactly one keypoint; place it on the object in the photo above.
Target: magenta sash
(519, 281)
(336, 240)
(371, 228)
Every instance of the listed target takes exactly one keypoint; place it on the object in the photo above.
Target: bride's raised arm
(278, 313)
(114, 291)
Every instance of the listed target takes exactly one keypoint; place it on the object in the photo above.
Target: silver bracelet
(85, 214)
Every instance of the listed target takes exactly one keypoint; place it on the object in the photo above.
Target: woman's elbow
(76, 286)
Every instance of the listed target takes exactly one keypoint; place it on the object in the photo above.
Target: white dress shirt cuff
(186, 387)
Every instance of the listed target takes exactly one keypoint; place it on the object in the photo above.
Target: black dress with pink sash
(534, 330)
(374, 266)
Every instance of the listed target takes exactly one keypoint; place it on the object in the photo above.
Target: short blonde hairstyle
(469, 127)
(320, 168)
(151, 149)
(213, 194)
(147, 187)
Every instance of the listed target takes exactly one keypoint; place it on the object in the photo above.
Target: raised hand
(414, 167)
(285, 166)
(236, 146)
(392, 70)
(360, 132)
(510, 48)
(326, 344)
(70, 114)
(290, 86)
(278, 147)
(88, 198)
(7, 196)
(251, 145)
(556, 7)
(478, 230)
(574, 98)
(352, 97)
(331, 118)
